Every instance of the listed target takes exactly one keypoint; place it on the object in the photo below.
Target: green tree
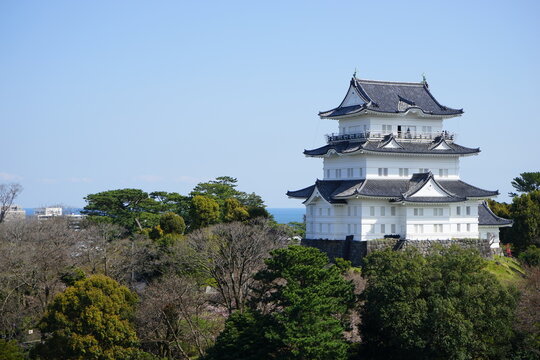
(130, 208)
(9, 350)
(172, 202)
(525, 211)
(224, 187)
(298, 311)
(531, 256)
(172, 223)
(234, 211)
(526, 182)
(443, 306)
(90, 320)
(204, 211)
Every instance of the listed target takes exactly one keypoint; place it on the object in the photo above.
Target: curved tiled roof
(395, 190)
(486, 217)
(406, 147)
(386, 96)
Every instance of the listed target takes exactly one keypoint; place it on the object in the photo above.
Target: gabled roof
(391, 97)
(486, 217)
(404, 147)
(337, 191)
(418, 192)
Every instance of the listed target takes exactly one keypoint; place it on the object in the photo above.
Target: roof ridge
(390, 82)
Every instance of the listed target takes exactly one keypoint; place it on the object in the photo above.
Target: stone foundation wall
(355, 251)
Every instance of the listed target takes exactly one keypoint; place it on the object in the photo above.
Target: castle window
(355, 210)
(419, 228)
(350, 172)
(360, 172)
(349, 229)
(383, 171)
(458, 210)
(383, 228)
(468, 210)
(372, 211)
(383, 211)
(438, 228)
(338, 173)
(418, 212)
(320, 211)
(386, 129)
(438, 212)
(393, 228)
(328, 173)
(458, 227)
(423, 170)
(320, 227)
(348, 211)
(468, 227)
(328, 212)
(403, 172)
(443, 172)
(393, 211)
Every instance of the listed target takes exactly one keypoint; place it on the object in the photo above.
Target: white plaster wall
(336, 221)
(490, 232)
(454, 226)
(374, 123)
(371, 164)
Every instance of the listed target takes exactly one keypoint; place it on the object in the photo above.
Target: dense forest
(210, 275)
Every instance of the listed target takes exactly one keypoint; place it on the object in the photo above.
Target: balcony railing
(418, 136)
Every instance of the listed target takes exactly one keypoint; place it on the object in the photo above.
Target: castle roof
(404, 147)
(390, 97)
(408, 190)
(486, 217)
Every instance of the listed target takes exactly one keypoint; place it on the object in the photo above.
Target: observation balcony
(416, 136)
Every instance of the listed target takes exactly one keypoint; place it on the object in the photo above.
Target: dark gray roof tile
(486, 217)
(336, 191)
(406, 147)
(385, 97)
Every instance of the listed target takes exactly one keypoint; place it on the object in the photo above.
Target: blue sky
(160, 95)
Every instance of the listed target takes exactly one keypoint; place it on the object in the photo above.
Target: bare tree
(8, 194)
(33, 256)
(232, 253)
(174, 320)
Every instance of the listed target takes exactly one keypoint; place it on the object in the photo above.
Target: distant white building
(48, 212)
(392, 170)
(15, 212)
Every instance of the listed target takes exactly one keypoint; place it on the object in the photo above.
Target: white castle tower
(393, 171)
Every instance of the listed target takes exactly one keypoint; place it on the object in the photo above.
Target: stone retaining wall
(355, 251)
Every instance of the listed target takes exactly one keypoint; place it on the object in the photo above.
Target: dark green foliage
(72, 275)
(256, 212)
(526, 182)
(9, 350)
(525, 211)
(172, 202)
(297, 313)
(443, 306)
(172, 223)
(531, 256)
(90, 320)
(204, 211)
(245, 338)
(132, 209)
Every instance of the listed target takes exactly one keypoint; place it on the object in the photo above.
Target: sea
(287, 215)
(281, 215)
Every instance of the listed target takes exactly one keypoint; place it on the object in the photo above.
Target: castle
(392, 171)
